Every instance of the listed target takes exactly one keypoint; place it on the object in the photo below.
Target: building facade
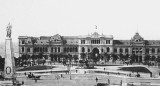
(95, 43)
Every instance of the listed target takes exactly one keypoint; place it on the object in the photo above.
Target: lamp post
(70, 70)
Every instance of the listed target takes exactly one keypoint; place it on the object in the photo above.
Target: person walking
(96, 79)
(35, 80)
(108, 81)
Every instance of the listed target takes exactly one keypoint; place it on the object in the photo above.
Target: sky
(120, 18)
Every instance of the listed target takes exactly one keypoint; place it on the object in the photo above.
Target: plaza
(87, 77)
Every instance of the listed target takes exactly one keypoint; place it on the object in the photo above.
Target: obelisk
(9, 67)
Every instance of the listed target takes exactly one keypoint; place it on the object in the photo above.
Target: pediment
(56, 38)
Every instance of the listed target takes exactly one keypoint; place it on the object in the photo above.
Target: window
(46, 49)
(52, 49)
(76, 49)
(88, 50)
(147, 50)
(101, 50)
(108, 49)
(67, 50)
(59, 49)
(22, 49)
(23, 42)
(28, 49)
(83, 49)
(115, 50)
(121, 50)
(153, 50)
(70, 49)
(64, 50)
(82, 41)
(107, 41)
(158, 50)
(35, 49)
(126, 50)
(55, 49)
(40, 49)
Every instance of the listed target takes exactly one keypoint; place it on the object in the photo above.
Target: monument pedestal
(9, 69)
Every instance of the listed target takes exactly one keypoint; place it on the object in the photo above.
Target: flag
(96, 26)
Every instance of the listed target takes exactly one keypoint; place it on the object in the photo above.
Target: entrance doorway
(95, 52)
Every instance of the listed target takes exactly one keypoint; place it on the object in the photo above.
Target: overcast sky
(120, 18)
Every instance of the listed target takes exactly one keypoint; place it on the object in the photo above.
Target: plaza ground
(80, 78)
(86, 77)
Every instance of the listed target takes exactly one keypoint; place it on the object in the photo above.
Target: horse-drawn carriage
(32, 76)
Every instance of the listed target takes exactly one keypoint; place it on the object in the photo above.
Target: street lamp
(69, 69)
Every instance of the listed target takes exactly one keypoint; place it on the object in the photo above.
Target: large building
(96, 43)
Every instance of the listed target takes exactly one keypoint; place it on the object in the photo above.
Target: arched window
(40, 49)
(147, 50)
(126, 50)
(55, 49)
(153, 50)
(64, 50)
(28, 49)
(67, 49)
(88, 50)
(70, 49)
(35, 49)
(59, 49)
(83, 49)
(52, 49)
(108, 49)
(46, 49)
(158, 50)
(22, 49)
(76, 49)
(115, 50)
(73, 49)
(101, 50)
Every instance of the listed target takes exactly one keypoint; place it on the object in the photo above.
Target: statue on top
(9, 30)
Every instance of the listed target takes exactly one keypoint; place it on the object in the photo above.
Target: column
(123, 50)
(79, 51)
(143, 57)
(118, 50)
(130, 50)
(111, 49)
(111, 42)
(156, 50)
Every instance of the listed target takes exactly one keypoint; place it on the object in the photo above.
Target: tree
(121, 56)
(2, 63)
(132, 58)
(158, 60)
(34, 40)
(40, 56)
(126, 56)
(115, 57)
(83, 56)
(147, 58)
(106, 57)
(52, 58)
(95, 58)
(75, 59)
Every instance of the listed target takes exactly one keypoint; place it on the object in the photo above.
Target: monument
(9, 66)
